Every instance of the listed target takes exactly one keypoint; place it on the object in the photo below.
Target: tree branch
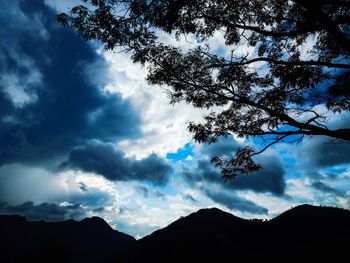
(274, 61)
(291, 63)
(292, 33)
(314, 8)
(270, 144)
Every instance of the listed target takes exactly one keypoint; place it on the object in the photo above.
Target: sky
(83, 134)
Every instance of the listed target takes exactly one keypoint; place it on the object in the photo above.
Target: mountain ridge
(88, 240)
(215, 235)
(208, 234)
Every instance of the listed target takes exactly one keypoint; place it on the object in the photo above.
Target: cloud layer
(270, 179)
(105, 159)
(234, 202)
(49, 98)
(45, 211)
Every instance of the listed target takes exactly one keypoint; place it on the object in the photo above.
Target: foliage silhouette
(273, 92)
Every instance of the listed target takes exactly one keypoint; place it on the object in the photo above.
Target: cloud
(163, 124)
(321, 186)
(143, 190)
(225, 146)
(323, 152)
(44, 211)
(20, 184)
(160, 195)
(201, 174)
(234, 202)
(49, 97)
(270, 179)
(146, 192)
(107, 160)
(189, 197)
(138, 230)
(137, 220)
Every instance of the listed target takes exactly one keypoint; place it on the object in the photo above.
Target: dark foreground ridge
(207, 235)
(90, 240)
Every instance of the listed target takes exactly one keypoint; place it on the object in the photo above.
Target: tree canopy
(272, 90)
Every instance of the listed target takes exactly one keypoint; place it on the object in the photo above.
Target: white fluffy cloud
(19, 183)
(163, 125)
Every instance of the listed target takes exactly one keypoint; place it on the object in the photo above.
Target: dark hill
(209, 235)
(213, 235)
(91, 240)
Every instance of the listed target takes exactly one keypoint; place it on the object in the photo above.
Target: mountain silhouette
(90, 240)
(214, 235)
(304, 232)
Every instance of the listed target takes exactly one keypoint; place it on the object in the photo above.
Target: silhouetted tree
(272, 91)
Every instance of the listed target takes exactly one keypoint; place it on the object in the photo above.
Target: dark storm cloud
(204, 176)
(270, 179)
(321, 186)
(189, 197)
(234, 202)
(44, 211)
(48, 101)
(225, 146)
(105, 159)
(324, 152)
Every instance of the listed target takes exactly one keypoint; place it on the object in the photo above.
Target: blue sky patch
(182, 153)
